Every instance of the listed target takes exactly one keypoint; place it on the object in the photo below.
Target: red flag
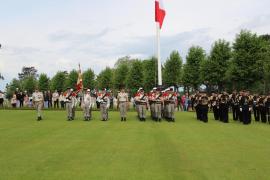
(159, 12)
(79, 85)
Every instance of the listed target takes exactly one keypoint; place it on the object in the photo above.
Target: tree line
(243, 64)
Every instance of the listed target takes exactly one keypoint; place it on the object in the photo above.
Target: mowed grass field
(188, 149)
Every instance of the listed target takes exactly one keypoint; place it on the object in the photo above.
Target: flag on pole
(79, 85)
(160, 12)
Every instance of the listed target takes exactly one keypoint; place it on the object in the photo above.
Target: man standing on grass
(215, 105)
(104, 101)
(235, 105)
(158, 101)
(86, 105)
(170, 102)
(142, 103)
(122, 104)
(68, 95)
(74, 102)
(245, 108)
(224, 107)
(204, 108)
(151, 99)
(38, 100)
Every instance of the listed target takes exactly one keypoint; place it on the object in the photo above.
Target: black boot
(121, 119)
(125, 119)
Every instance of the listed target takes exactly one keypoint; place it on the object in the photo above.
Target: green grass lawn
(188, 149)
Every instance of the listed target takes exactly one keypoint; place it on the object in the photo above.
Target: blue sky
(56, 35)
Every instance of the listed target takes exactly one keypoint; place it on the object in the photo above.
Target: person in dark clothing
(261, 110)
(256, 110)
(224, 108)
(215, 105)
(20, 97)
(267, 108)
(204, 106)
(245, 108)
(235, 106)
(49, 94)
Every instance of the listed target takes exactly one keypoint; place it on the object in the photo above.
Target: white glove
(241, 109)
(249, 109)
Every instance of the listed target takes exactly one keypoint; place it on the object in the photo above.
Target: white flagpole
(158, 56)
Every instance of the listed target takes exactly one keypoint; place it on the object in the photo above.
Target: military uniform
(204, 109)
(224, 108)
(245, 108)
(152, 103)
(158, 101)
(68, 101)
(142, 103)
(170, 102)
(104, 102)
(86, 105)
(256, 110)
(215, 106)
(122, 100)
(38, 99)
(73, 104)
(235, 106)
(261, 114)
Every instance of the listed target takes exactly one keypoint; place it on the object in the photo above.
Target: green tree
(124, 60)
(266, 62)
(135, 76)
(72, 79)
(44, 82)
(191, 75)
(89, 79)
(28, 72)
(220, 56)
(120, 76)
(150, 73)
(105, 78)
(248, 60)
(29, 84)
(12, 86)
(58, 81)
(172, 69)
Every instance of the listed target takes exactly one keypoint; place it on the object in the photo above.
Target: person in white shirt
(55, 99)
(62, 100)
